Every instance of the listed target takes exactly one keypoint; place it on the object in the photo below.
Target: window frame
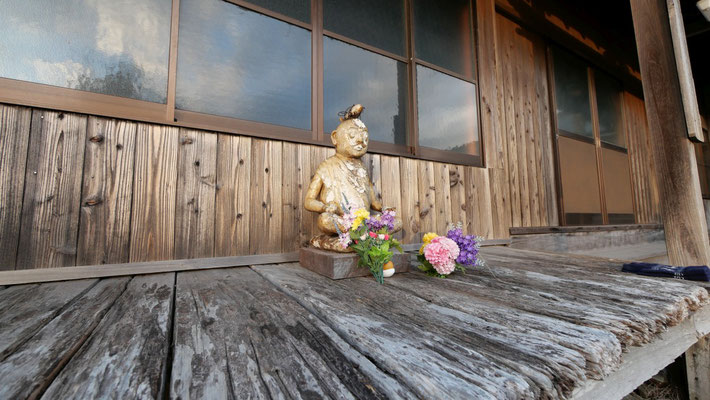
(32, 94)
(596, 140)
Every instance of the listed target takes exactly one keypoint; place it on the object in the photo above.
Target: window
(281, 69)
(592, 157)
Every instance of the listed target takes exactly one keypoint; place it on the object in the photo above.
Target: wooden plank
(519, 82)
(480, 218)
(534, 230)
(442, 193)
(137, 268)
(501, 216)
(463, 355)
(306, 170)
(292, 196)
(410, 200)
(107, 191)
(493, 145)
(685, 72)
(682, 209)
(642, 363)
(27, 308)
(154, 193)
(427, 197)
(233, 195)
(127, 354)
(238, 336)
(532, 150)
(266, 204)
(391, 185)
(195, 205)
(457, 189)
(697, 364)
(14, 140)
(33, 366)
(373, 166)
(50, 211)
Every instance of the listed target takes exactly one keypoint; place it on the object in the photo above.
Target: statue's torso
(344, 178)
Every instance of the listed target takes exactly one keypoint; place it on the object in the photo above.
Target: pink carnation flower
(442, 253)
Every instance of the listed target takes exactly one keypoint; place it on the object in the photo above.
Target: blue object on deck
(698, 273)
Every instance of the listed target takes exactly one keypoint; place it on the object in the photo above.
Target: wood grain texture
(266, 202)
(643, 168)
(391, 185)
(14, 140)
(490, 127)
(154, 193)
(442, 195)
(238, 336)
(233, 195)
(50, 211)
(681, 206)
(457, 189)
(107, 192)
(427, 197)
(27, 308)
(195, 204)
(127, 353)
(410, 201)
(697, 363)
(292, 197)
(306, 170)
(478, 203)
(33, 366)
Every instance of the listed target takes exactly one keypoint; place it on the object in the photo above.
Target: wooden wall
(84, 190)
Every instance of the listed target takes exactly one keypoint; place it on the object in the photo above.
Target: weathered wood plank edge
(571, 229)
(21, 277)
(150, 267)
(640, 363)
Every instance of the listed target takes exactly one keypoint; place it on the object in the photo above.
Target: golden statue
(342, 179)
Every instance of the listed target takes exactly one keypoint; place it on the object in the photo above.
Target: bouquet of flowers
(441, 255)
(370, 237)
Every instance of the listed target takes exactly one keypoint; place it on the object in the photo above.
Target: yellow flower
(427, 239)
(360, 215)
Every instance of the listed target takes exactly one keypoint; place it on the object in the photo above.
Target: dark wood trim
(389, 148)
(614, 147)
(427, 153)
(317, 70)
(58, 98)
(240, 126)
(364, 46)
(413, 120)
(552, 94)
(583, 228)
(576, 136)
(272, 14)
(172, 63)
(597, 142)
(444, 71)
(624, 117)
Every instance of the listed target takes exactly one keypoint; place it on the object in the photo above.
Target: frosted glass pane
(572, 94)
(238, 63)
(443, 34)
(353, 75)
(580, 183)
(617, 187)
(609, 108)
(299, 9)
(447, 112)
(379, 23)
(118, 48)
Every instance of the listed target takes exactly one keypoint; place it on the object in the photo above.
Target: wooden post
(677, 174)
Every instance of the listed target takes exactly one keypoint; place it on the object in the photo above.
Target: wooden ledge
(589, 228)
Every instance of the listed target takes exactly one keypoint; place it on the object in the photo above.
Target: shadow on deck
(531, 325)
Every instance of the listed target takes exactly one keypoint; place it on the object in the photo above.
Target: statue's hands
(331, 208)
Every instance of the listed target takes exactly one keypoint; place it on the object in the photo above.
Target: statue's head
(350, 138)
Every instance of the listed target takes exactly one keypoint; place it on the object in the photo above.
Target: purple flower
(468, 246)
(384, 220)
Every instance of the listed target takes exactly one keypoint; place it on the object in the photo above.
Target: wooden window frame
(596, 140)
(39, 95)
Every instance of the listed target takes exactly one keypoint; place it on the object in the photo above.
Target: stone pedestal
(344, 265)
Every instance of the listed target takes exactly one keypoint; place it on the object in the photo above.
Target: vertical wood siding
(526, 143)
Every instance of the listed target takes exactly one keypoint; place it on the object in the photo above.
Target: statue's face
(351, 138)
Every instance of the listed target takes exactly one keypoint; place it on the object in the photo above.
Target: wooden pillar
(677, 174)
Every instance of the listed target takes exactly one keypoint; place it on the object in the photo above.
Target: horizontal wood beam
(534, 230)
(641, 363)
(21, 277)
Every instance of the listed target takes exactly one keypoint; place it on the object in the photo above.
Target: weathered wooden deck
(535, 325)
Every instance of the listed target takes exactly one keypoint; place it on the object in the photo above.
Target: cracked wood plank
(31, 368)
(27, 308)
(238, 336)
(126, 355)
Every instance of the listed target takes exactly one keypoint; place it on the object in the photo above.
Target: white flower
(363, 237)
(381, 236)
